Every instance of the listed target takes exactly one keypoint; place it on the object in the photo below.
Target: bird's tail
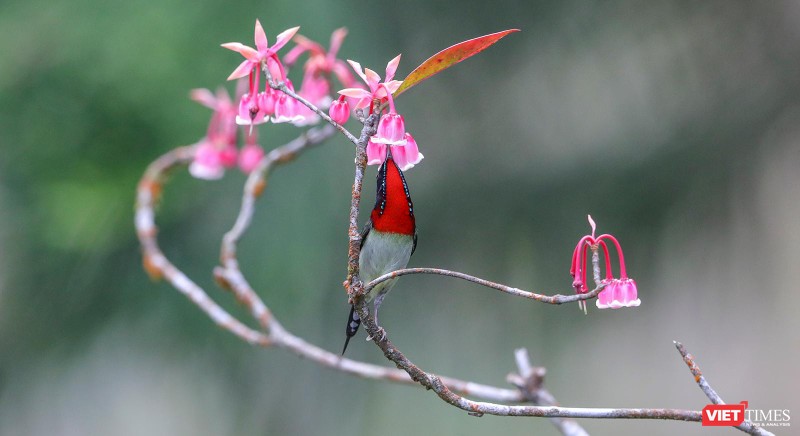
(353, 322)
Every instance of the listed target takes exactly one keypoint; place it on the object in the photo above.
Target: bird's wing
(365, 232)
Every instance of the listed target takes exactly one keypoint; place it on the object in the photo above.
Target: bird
(388, 239)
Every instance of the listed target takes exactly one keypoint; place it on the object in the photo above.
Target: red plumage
(393, 211)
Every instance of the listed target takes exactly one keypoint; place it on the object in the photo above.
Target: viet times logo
(735, 414)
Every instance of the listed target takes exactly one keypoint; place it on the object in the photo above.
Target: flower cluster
(217, 150)
(391, 134)
(616, 293)
(257, 105)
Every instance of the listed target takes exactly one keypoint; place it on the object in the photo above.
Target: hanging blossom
(391, 132)
(617, 293)
(217, 150)
(256, 107)
(320, 67)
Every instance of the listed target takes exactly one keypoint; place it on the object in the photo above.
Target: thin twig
(746, 426)
(281, 86)
(530, 381)
(353, 284)
(550, 299)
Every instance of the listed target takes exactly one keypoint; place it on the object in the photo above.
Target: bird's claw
(383, 334)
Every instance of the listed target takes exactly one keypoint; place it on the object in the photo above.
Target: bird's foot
(383, 334)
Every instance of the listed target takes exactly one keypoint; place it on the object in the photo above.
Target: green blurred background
(674, 124)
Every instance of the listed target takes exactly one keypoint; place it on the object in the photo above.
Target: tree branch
(746, 426)
(550, 299)
(228, 275)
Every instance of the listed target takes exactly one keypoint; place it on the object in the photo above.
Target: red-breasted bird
(387, 241)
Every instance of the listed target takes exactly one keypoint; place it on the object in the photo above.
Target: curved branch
(159, 267)
(550, 299)
(436, 384)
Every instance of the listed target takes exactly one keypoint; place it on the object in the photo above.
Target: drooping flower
(255, 107)
(617, 293)
(207, 163)
(319, 67)
(376, 153)
(249, 157)
(263, 53)
(289, 110)
(405, 156)
(251, 111)
(340, 110)
(217, 150)
(391, 131)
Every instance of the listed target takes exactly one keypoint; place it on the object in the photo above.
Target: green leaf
(449, 57)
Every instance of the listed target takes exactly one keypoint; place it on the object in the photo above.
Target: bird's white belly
(383, 253)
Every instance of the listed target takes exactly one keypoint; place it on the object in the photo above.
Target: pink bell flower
(340, 110)
(391, 130)
(266, 101)
(405, 156)
(376, 153)
(217, 150)
(287, 109)
(207, 163)
(228, 156)
(617, 293)
(249, 157)
(321, 64)
(408, 155)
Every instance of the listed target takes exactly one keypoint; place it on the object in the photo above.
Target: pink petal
(228, 155)
(364, 102)
(283, 38)
(410, 152)
(242, 70)
(391, 130)
(250, 157)
(204, 97)
(343, 74)
(291, 57)
(207, 163)
(399, 156)
(391, 68)
(336, 42)
(373, 79)
(261, 38)
(357, 68)
(355, 93)
(376, 153)
(223, 99)
(248, 52)
(392, 85)
(340, 111)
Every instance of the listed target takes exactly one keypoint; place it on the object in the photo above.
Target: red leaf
(449, 57)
